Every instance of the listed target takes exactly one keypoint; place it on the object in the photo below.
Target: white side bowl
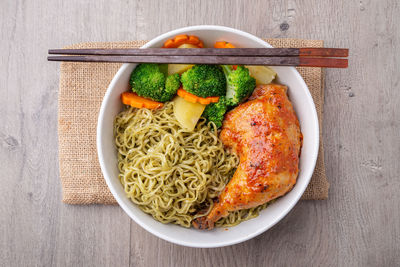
(306, 112)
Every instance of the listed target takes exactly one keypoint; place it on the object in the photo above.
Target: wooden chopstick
(227, 60)
(249, 52)
(304, 57)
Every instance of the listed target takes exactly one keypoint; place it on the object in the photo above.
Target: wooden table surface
(359, 225)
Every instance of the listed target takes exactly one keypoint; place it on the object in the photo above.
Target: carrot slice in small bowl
(132, 99)
(183, 39)
(197, 99)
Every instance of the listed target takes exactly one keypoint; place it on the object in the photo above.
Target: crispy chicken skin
(265, 133)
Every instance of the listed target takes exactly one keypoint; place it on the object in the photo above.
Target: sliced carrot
(132, 99)
(183, 39)
(197, 99)
(223, 44)
(193, 39)
(219, 44)
(208, 100)
(169, 43)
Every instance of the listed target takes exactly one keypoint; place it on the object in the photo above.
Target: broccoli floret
(172, 85)
(215, 111)
(204, 81)
(149, 80)
(240, 84)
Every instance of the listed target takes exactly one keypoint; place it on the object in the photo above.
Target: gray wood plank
(358, 225)
(36, 228)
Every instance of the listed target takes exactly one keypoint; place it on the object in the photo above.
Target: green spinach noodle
(171, 173)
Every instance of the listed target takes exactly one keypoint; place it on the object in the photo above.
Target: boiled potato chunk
(187, 46)
(262, 74)
(180, 68)
(187, 113)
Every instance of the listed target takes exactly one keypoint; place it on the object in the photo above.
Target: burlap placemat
(82, 87)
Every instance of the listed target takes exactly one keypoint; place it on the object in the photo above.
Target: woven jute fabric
(82, 87)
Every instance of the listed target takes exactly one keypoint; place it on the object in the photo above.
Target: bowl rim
(261, 229)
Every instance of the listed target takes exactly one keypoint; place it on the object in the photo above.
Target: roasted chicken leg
(265, 133)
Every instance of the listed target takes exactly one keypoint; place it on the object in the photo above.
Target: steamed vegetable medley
(197, 90)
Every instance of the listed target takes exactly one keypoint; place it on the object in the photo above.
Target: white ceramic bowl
(306, 112)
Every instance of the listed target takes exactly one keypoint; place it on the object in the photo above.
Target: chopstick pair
(302, 57)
